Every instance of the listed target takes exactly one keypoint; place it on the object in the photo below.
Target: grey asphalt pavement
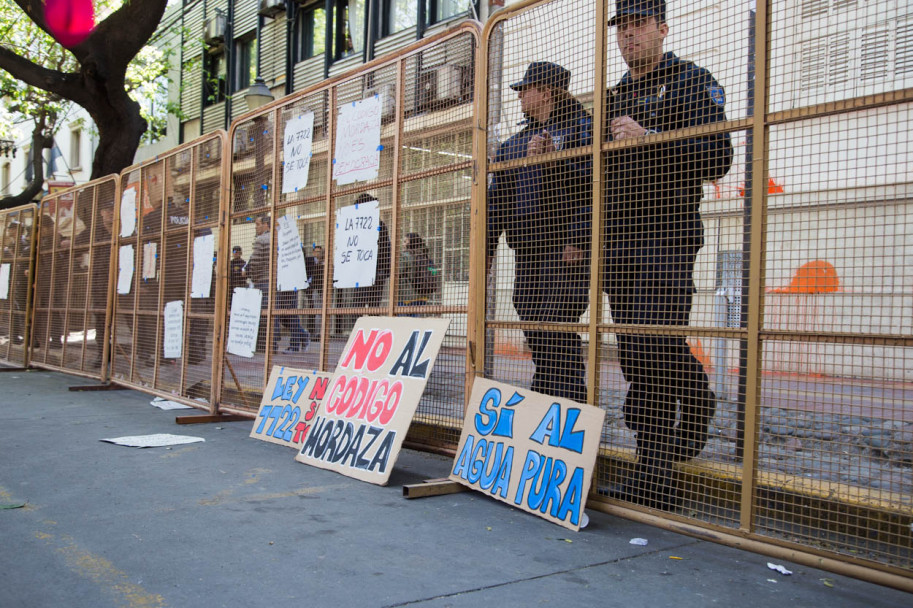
(236, 522)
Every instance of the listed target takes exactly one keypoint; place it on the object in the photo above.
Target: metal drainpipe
(291, 48)
(421, 20)
(329, 53)
(229, 60)
(203, 74)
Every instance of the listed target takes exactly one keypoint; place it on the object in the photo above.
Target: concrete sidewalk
(237, 522)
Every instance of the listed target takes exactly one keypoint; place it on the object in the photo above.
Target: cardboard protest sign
(372, 397)
(358, 140)
(290, 402)
(356, 244)
(298, 144)
(532, 451)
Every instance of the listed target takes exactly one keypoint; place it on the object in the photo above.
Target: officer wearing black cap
(544, 209)
(653, 234)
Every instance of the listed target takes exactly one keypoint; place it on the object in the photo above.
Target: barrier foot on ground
(432, 487)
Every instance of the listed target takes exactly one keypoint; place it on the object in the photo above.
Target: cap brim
(614, 20)
(518, 86)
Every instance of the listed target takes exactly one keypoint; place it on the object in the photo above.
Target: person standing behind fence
(653, 233)
(314, 265)
(544, 211)
(257, 270)
(235, 272)
(415, 264)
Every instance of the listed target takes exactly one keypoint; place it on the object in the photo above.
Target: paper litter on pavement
(779, 568)
(153, 441)
(165, 404)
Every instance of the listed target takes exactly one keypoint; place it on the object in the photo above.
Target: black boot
(650, 484)
(690, 437)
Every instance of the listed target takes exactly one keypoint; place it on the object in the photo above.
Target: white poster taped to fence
(125, 269)
(355, 246)
(173, 341)
(244, 321)
(150, 254)
(291, 274)
(4, 281)
(532, 451)
(203, 251)
(128, 212)
(299, 138)
(359, 428)
(358, 140)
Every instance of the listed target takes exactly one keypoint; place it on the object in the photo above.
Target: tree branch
(63, 84)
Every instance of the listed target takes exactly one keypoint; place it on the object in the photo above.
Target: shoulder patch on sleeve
(717, 95)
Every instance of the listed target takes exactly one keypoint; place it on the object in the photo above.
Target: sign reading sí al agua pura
(530, 450)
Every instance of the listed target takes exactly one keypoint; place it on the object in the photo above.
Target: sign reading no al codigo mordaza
(369, 404)
(532, 451)
(290, 402)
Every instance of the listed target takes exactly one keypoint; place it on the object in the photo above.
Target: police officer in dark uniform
(544, 210)
(653, 234)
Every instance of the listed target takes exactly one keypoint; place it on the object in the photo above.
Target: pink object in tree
(69, 21)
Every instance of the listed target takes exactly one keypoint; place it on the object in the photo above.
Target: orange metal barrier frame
(17, 240)
(179, 198)
(73, 271)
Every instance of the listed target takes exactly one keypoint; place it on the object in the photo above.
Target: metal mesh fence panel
(696, 219)
(73, 265)
(17, 239)
(422, 189)
(169, 231)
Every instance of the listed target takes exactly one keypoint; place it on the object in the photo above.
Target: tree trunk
(120, 128)
(40, 142)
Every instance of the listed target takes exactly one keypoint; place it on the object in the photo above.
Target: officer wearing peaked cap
(543, 209)
(653, 234)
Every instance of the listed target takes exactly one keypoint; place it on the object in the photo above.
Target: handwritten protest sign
(290, 402)
(125, 269)
(355, 247)
(532, 451)
(173, 341)
(372, 397)
(358, 140)
(201, 280)
(291, 273)
(244, 321)
(4, 281)
(299, 138)
(128, 212)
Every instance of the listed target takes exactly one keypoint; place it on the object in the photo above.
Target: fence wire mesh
(164, 329)
(422, 190)
(17, 239)
(737, 177)
(69, 331)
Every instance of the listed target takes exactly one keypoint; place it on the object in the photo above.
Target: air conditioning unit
(214, 29)
(388, 90)
(442, 86)
(271, 8)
